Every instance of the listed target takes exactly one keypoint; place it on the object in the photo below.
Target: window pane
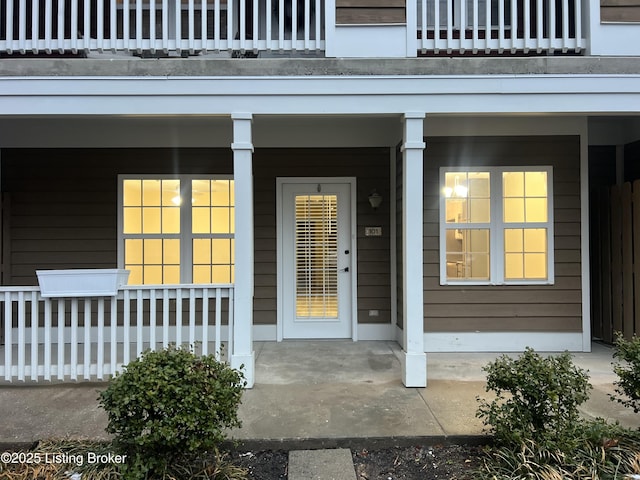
(171, 274)
(153, 252)
(200, 193)
(151, 220)
(535, 240)
(133, 252)
(221, 251)
(513, 241)
(513, 184)
(478, 183)
(135, 277)
(171, 193)
(201, 220)
(536, 184)
(514, 210)
(513, 266)
(201, 274)
(132, 193)
(202, 251)
(153, 275)
(151, 193)
(479, 210)
(221, 274)
(456, 210)
(171, 251)
(170, 220)
(526, 253)
(536, 209)
(468, 254)
(535, 266)
(220, 220)
(467, 197)
(132, 220)
(220, 193)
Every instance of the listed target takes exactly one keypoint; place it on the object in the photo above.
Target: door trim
(280, 181)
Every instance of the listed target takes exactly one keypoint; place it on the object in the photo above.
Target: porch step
(334, 464)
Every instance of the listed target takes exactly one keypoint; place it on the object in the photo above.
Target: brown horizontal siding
(61, 204)
(368, 12)
(555, 307)
(620, 11)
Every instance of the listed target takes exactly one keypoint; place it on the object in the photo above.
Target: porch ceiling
(196, 131)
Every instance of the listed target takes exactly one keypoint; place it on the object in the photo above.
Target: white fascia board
(319, 95)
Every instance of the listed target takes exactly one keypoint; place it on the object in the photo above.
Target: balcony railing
(485, 26)
(193, 26)
(92, 338)
(46, 26)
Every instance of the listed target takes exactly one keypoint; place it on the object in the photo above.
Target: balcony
(292, 27)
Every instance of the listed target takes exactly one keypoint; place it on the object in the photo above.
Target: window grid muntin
(186, 239)
(497, 227)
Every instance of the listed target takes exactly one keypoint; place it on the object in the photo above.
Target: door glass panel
(316, 251)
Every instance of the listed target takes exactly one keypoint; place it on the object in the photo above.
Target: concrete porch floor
(317, 394)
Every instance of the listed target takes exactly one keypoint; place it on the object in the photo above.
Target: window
(496, 225)
(166, 240)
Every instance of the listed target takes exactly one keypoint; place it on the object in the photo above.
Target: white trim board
(503, 341)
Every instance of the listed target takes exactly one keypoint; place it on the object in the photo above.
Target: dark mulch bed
(419, 462)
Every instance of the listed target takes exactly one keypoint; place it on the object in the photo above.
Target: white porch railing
(500, 25)
(45, 26)
(92, 338)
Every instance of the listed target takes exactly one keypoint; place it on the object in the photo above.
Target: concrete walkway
(316, 394)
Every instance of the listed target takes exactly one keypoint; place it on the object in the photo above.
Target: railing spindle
(113, 329)
(218, 323)
(165, 318)
(74, 339)
(86, 368)
(34, 334)
(139, 320)
(21, 332)
(100, 369)
(152, 319)
(60, 347)
(8, 342)
(205, 321)
(192, 317)
(178, 317)
(47, 339)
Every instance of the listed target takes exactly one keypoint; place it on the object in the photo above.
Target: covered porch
(59, 219)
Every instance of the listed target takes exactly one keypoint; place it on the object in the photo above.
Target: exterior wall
(364, 12)
(61, 210)
(513, 308)
(620, 11)
(61, 204)
(370, 166)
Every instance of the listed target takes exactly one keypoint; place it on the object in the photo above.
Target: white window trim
(496, 227)
(186, 236)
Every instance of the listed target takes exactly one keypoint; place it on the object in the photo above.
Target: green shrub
(536, 399)
(628, 386)
(170, 406)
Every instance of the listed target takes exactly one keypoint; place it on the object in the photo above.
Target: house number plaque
(372, 231)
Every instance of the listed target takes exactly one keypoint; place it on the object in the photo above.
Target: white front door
(317, 258)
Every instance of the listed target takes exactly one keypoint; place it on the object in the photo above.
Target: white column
(414, 360)
(242, 146)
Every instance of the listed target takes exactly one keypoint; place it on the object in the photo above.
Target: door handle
(345, 269)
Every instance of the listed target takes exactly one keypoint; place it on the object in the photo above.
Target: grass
(604, 452)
